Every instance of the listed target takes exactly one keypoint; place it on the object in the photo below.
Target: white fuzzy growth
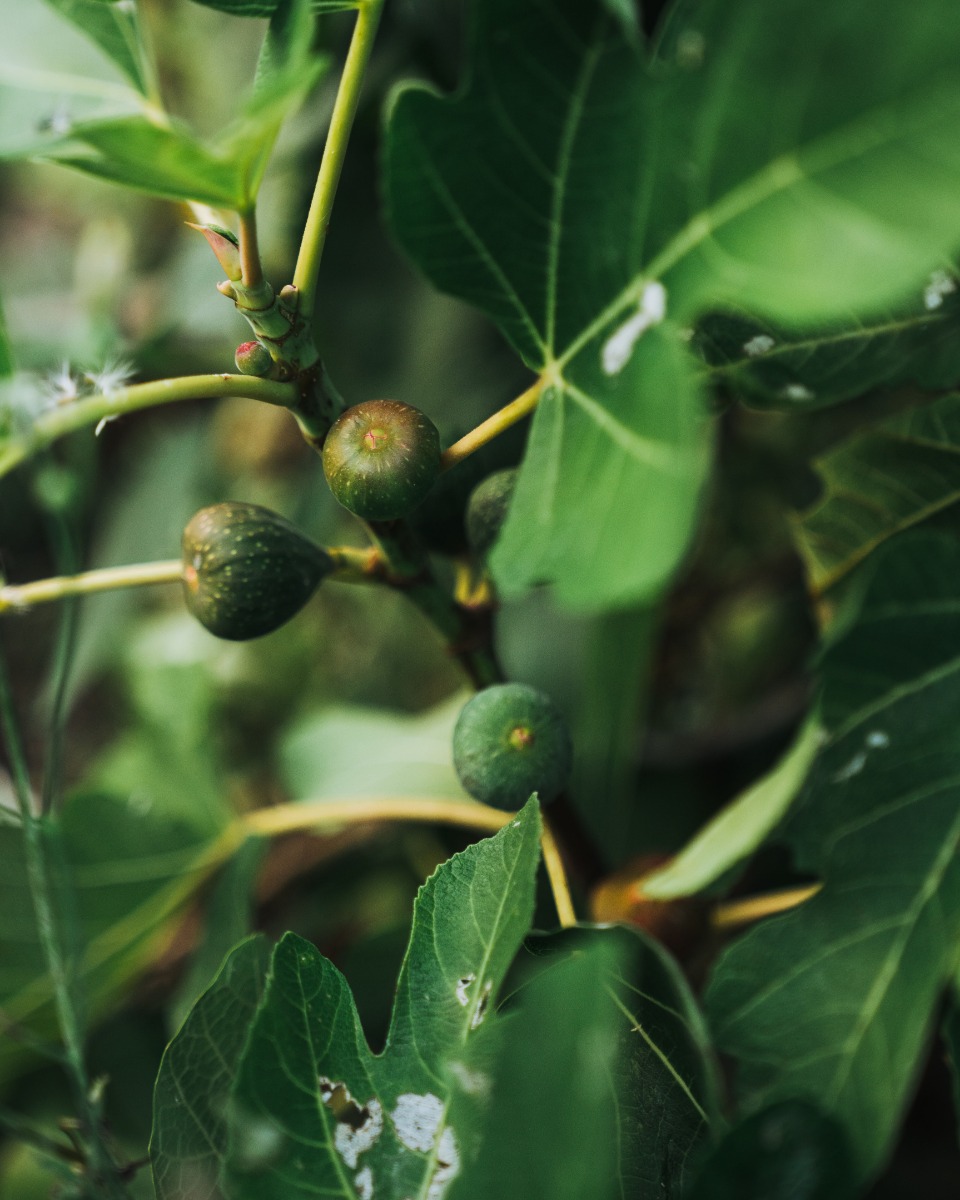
(763, 343)
(475, 1083)
(797, 392)
(940, 285)
(363, 1184)
(448, 1165)
(620, 345)
(351, 1143)
(853, 767)
(416, 1119)
(481, 1010)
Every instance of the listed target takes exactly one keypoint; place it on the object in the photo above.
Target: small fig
(381, 458)
(510, 741)
(487, 510)
(253, 358)
(247, 571)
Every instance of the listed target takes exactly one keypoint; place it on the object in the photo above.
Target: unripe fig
(510, 741)
(246, 571)
(252, 358)
(381, 458)
(487, 510)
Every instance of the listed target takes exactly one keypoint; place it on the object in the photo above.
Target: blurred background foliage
(125, 699)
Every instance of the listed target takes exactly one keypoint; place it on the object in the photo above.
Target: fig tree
(510, 741)
(246, 570)
(381, 458)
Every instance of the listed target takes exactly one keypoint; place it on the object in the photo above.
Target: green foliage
(755, 202)
(834, 1002)
(799, 219)
(888, 478)
(157, 154)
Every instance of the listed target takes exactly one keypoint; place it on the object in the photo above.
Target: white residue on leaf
(940, 285)
(358, 1128)
(763, 343)
(853, 767)
(481, 1009)
(876, 739)
(363, 1184)
(797, 392)
(462, 985)
(352, 1142)
(691, 48)
(620, 344)
(416, 1118)
(448, 1165)
(475, 1083)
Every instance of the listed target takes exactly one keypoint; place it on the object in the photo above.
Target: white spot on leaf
(877, 739)
(797, 392)
(763, 343)
(475, 1083)
(448, 1165)
(417, 1118)
(462, 985)
(358, 1128)
(620, 345)
(940, 285)
(691, 48)
(853, 767)
(481, 1010)
(363, 1184)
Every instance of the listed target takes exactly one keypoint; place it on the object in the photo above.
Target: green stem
(334, 152)
(89, 410)
(20, 597)
(466, 632)
(493, 426)
(54, 953)
(250, 250)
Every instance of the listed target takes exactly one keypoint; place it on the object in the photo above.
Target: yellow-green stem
(492, 427)
(326, 814)
(250, 250)
(89, 410)
(730, 914)
(334, 152)
(557, 874)
(23, 596)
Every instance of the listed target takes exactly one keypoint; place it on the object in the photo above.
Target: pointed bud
(225, 246)
(252, 358)
(226, 288)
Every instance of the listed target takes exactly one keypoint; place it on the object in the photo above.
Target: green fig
(247, 571)
(381, 458)
(511, 741)
(487, 510)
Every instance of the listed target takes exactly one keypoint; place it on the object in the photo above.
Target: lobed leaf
(581, 195)
(196, 1075)
(888, 478)
(314, 1108)
(772, 367)
(834, 1002)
